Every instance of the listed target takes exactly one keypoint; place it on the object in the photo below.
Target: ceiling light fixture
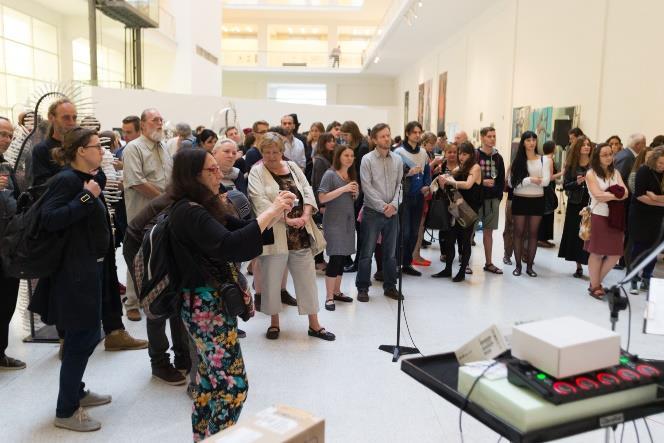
(420, 4)
(377, 59)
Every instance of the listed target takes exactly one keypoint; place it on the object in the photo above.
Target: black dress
(645, 221)
(571, 246)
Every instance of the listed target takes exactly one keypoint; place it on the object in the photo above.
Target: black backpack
(27, 250)
(155, 270)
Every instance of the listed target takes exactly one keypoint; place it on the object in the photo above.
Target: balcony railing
(285, 59)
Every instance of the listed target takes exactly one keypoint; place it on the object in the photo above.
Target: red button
(586, 384)
(563, 388)
(628, 374)
(647, 370)
(608, 379)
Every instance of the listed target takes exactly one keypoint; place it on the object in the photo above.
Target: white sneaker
(80, 421)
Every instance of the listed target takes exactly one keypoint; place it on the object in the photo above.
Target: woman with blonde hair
(295, 241)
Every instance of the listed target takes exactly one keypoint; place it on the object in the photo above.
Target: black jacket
(197, 234)
(71, 297)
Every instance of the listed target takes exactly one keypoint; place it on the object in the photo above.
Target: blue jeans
(637, 249)
(410, 212)
(374, 223)
(77, 348)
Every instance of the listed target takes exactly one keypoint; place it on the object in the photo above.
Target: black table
(440, 374)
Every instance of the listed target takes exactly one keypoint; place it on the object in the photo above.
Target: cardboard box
(566, 346)
(487, 345)
(277, 424)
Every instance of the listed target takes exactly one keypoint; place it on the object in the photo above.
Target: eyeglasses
(98, 146)
(213, 169)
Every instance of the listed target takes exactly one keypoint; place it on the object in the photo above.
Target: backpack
(7, 210)
(155, 268)
(27, 250)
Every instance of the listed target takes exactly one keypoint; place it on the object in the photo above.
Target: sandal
(597, 292)
(516, 272)
(272, 332)
(531, 273)
(341, 297)
(493, 269)
(322, 334)
(469, 271)
(329, 305)
(578, 273)
(507, 261)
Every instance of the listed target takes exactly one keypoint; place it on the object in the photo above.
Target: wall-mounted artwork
(541, 123)
(426, 120)
(442, 96)
(420, 102)
(406, 99)
(520, 122)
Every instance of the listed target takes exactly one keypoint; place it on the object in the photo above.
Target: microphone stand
(397, 350)
(618, 302)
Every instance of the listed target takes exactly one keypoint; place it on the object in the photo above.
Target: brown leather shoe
(120, 340)
(134, 314)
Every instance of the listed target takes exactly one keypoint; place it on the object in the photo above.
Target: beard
(157, 135)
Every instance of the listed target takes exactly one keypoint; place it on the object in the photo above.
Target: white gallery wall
(602, 55)
(112, 105)
(342, 89)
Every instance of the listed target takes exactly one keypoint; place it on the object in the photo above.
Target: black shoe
(10, 364)
(351, 268)
(409, 270)
(578, 273)
(425, 244)
(378, 276)
(363, 295)
(445, 273)
(531, 273)
(393, 294)
(169, 375)
(461, 276)
(241, 333)
(329, 305)
(287, 299)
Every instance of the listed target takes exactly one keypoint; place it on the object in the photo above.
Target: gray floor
(362, 395)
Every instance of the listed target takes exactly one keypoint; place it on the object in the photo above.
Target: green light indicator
(624, 360)
(541, 376)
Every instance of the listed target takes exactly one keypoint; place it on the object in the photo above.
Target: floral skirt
(221, 380)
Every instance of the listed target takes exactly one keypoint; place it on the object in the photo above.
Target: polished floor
(362, 395)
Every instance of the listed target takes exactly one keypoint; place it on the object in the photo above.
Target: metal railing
(287, 59)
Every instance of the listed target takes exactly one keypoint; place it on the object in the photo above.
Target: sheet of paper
(654, 312)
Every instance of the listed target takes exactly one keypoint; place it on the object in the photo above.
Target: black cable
(500, 437)
(403, 309)
(629, 318)
(645, 422)
(638, 440)
(467, 399)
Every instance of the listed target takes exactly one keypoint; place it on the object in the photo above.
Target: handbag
(438, 216)
(463, 214)
(550, 199)
(585, 225)
(316, 239)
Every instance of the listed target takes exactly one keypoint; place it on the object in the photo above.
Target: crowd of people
(330, 200)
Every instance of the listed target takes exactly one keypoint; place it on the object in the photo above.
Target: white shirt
(540, 167)
(294, 151)
(602, 208)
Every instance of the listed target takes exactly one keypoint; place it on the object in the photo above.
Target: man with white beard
(147, 171)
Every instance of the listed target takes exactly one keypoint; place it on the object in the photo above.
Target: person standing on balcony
(335, 55)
